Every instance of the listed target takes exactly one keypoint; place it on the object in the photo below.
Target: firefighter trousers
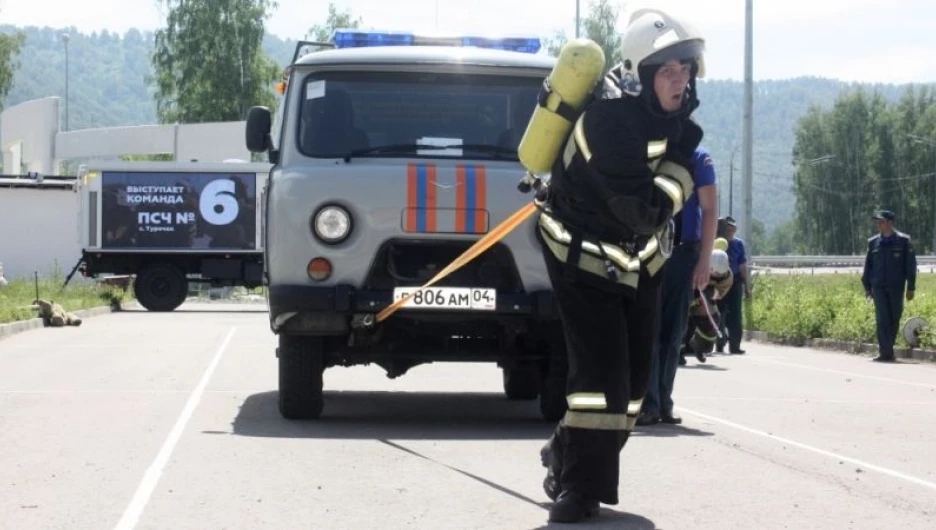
(700, 335)
(610, 338)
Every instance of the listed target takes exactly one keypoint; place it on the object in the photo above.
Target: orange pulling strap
(486, 242)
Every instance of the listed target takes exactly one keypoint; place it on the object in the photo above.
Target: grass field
(831, 306)
(17, 296)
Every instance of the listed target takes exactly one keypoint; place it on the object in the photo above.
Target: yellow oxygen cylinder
(577, 71)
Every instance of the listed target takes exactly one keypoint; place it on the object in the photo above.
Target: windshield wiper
(412, 148)
(394, 148)
(488, 148)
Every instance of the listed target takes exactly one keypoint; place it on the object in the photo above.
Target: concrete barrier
(19, 326)
(845, 346)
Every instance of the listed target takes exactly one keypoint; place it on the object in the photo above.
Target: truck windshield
(360, 114)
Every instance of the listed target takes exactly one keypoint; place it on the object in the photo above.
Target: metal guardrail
(823, 261)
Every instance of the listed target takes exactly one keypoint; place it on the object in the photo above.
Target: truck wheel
(160, 287)
(521, 382)
(300, 376)
(552, 399)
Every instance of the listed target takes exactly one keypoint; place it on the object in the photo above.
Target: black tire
(160, 287)
(553, 404)
(300, 376)
(552, 399)
(521, 382)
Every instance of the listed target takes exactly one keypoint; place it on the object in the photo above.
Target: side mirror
(259, 122)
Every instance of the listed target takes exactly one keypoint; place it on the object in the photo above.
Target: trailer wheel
(301, 365)
(160, 287)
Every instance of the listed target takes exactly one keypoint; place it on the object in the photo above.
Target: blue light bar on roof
(351, 38)
(515, 44)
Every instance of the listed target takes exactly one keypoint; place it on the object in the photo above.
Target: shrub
(802, 306)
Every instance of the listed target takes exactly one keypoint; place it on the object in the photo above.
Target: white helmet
(653, 37)
(718, 264)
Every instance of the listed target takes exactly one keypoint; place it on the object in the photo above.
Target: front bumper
(346, 300)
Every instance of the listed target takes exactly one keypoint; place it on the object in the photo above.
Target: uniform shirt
(890, 263)
(737, 256)
(704, 175)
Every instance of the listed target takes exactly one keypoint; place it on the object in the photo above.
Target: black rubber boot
(572, 507)
(551, 482)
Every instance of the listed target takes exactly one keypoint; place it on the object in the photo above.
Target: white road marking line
(28, 392)
(850, 374)
(862, 464)
(130, 391)
(143, 493)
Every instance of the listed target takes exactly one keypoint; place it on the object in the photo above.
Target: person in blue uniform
(731, 304)
(686, 270)
(889, 276)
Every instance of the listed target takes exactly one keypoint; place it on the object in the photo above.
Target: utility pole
(734, 149)
(731, 188)
(577, 22)
(65, 38)
(747, 166)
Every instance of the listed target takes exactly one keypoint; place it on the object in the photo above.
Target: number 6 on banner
(218, 205)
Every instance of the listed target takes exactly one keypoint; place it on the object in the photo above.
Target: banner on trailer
(179, 210)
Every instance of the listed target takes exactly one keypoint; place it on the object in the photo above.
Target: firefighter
(606, 230)
(702, 331)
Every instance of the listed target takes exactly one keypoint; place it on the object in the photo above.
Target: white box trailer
(171, 223)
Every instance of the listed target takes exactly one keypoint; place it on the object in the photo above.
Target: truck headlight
(332, 224)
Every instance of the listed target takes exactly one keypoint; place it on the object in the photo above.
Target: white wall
(38, 227)
(112, 142)
(33, 125)
(30, 131)
(211, 142)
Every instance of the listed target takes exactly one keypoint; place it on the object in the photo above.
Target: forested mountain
(108, 86)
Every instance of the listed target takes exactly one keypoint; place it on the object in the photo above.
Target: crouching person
(701, 334)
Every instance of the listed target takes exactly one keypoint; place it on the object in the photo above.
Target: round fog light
(319, 269)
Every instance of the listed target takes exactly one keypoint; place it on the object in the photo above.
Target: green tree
(335, 20)
(9, 49)
(783, 240)
(756, 245)
(601, 26)
(555, 43)
(861, 155)
(208, 63)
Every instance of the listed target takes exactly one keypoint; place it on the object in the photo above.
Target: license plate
(457, 298)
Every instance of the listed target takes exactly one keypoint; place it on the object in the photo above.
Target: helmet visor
(680, 51)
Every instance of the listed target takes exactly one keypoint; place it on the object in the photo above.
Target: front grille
(413, 263)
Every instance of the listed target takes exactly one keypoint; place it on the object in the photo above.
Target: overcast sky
(862, 40)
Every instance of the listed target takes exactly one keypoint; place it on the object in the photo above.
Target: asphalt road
(145, 420)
